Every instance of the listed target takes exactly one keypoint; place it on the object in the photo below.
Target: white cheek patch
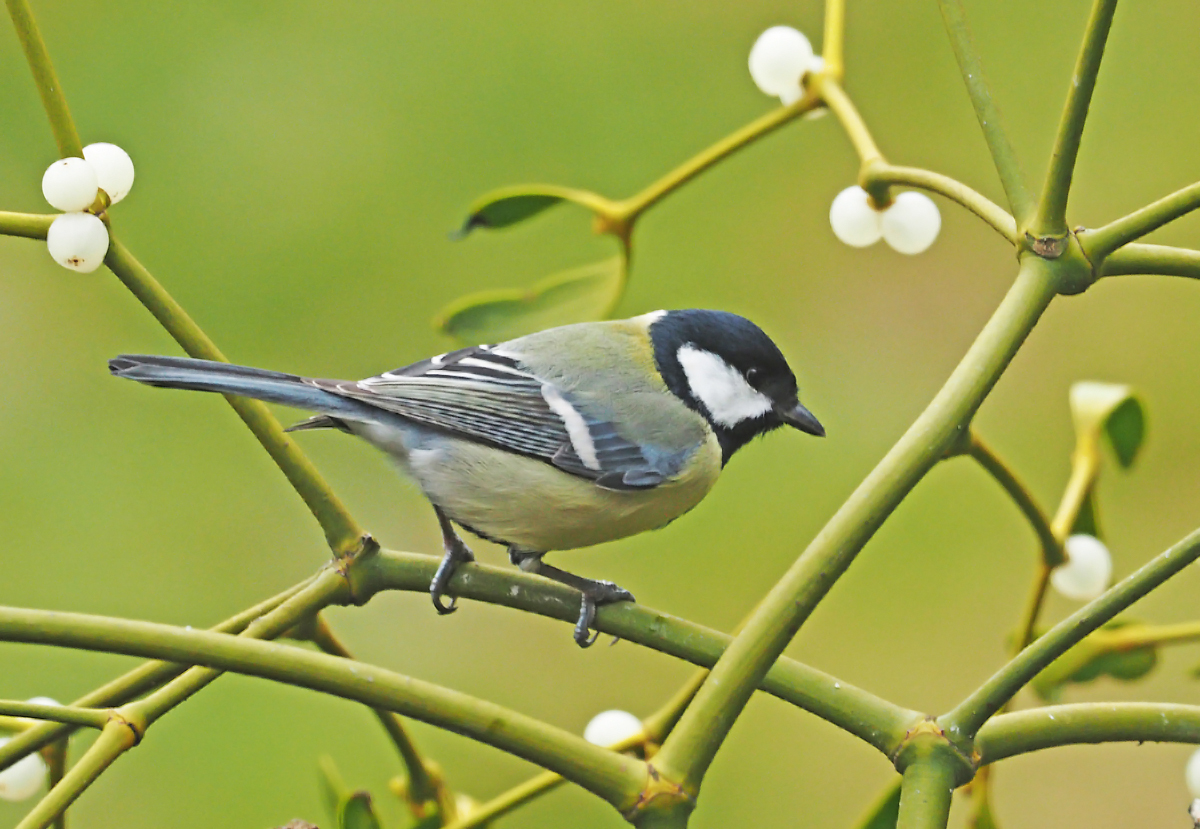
(721, 388)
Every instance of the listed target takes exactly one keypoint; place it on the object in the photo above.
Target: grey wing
(490, 397)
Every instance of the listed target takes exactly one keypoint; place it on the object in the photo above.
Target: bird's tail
(206, 375)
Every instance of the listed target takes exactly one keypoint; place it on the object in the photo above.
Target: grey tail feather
(319, 422)
(206, 375)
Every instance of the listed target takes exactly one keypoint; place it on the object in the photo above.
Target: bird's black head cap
(725, 367)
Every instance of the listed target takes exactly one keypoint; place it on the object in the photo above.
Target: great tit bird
(561, 439)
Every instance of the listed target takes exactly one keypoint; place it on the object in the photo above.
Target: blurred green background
(298, 167)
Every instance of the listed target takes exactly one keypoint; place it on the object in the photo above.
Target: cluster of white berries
(779, 60)
(1087, 570)
(611, 727)
(24, 778)
(910, 224)
(77, 239)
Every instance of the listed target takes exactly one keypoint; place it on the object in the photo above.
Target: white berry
(778, 60)
(43, 701)
(24, 778)
(853, 219)
(1192, 774)
(70, 184)
(78, 241)
(610, 727)
(911, 222)
(1087, 571)
(114, 169)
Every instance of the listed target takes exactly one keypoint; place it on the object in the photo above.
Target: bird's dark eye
(751, 375)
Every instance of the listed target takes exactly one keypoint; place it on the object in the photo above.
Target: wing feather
(490, 397)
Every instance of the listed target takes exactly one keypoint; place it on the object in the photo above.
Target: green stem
(1020, 202)
(629, 209)
(1033, 608)
(1008, 735)
(328, 588)
(89, 717)
(56, 768)
(614, 777)
(1052, 211)
(996, 216)
(691, 747)
(835, 37)
(421, 786)
(48, 85)
(1102, 241)
(115, 739)
(876, 721)
(1151, 259)
(343, 533)
(1085, 466)
(830, 91)
(130, 685)
(657, 726)
(970, 714)
(29, 225)
(925, 794)
(1052, 552)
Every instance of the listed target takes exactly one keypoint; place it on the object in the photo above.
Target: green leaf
(1087, 522)
(1094, 657)
(1113, 410)
(356, 812)
(579, 295)
(333, 788)
(511, 205)
(885, 812)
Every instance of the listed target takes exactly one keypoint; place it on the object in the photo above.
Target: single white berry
(853, 219)
(24, 778)
(911, 222)
(43, 701)
(70, 184)
(1192, 774)
(114, 169)
(610, 727)
(778, 60)
(1087, 571)
(78, 241)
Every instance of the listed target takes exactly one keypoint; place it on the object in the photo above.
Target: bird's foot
(595, 593)
(598, 593)
(457, 553)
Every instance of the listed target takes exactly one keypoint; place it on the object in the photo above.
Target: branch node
(660, 794)
(927, 738)
(137, 725)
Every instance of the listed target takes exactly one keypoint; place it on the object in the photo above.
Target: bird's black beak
(801, 418)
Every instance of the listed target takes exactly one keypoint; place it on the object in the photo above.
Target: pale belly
(532, 505)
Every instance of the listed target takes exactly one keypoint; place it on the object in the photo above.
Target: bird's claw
(602, 592)
(455, 555)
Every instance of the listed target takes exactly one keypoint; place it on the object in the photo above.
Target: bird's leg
(456, 553)
(595, 593)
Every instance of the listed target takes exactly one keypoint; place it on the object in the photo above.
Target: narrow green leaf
(1112, 410)
(884, 813)
(1126, 429)
(356, 812)
(579, 295)
(510, 205)
(333, 788)
(1087, 522)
